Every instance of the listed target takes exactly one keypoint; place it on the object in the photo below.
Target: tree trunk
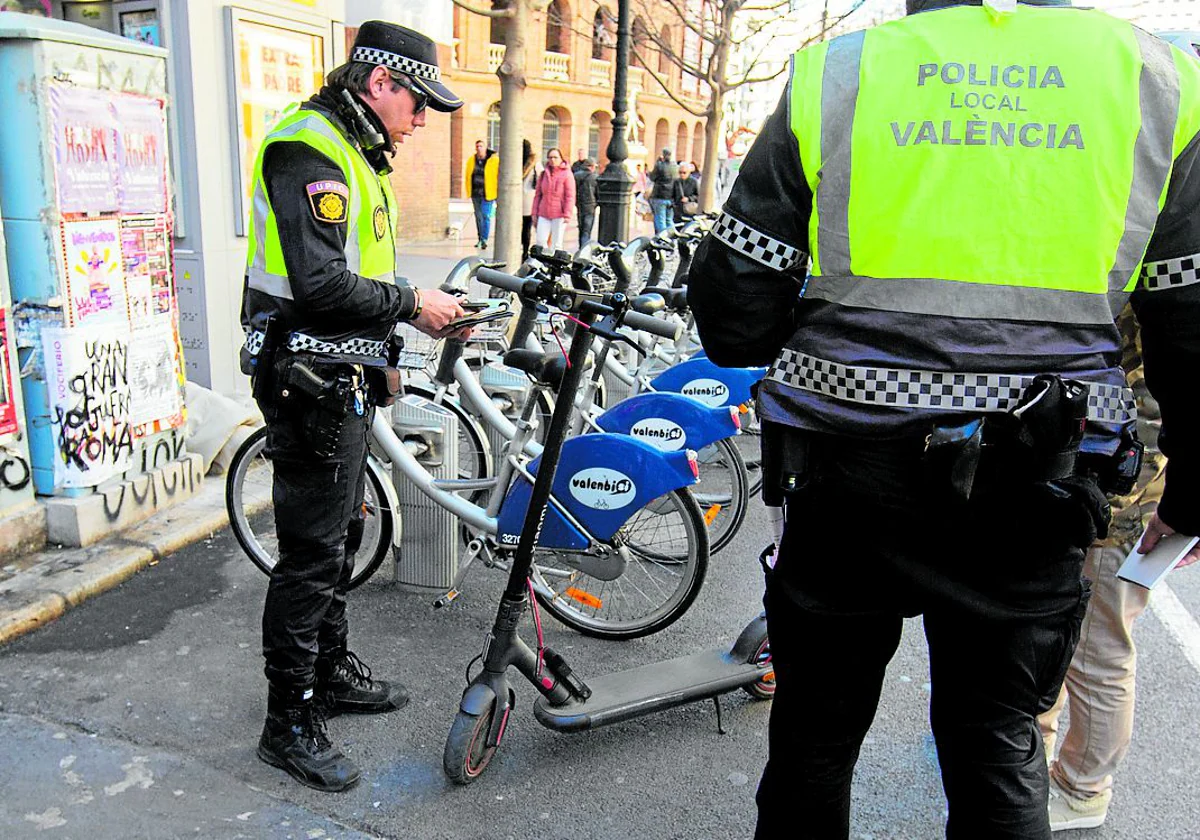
(512, 118)
(712, 136)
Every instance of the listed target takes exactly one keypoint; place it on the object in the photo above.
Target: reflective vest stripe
(941, 390)
(839, 97)
(1153, 155)
(952, 299)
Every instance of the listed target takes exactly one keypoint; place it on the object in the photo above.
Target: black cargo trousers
(318, 522)
(998, 581)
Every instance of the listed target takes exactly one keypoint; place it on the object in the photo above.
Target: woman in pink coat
(553, 201)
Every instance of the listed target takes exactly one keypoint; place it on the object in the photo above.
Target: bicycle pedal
(446, 599)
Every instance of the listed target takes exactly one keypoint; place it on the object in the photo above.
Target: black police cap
(405, 51)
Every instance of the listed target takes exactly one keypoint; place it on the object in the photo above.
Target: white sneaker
(1068, 813)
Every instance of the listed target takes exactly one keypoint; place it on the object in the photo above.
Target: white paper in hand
(1150, 568)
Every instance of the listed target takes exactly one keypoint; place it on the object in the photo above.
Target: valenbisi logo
(660, 433)
(602, 488)
(711, 392)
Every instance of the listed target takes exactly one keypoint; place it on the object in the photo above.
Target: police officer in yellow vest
(929, 242)
(319, 307)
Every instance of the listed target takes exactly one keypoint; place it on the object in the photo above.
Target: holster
(262, 376)
(1116, 474)
(322, 403)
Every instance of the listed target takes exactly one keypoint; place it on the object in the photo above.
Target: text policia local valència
(993, 113)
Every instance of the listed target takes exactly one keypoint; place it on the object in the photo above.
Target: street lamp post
(615, 184)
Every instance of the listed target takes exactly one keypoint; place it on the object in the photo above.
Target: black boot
(344, 684)
(294, 740)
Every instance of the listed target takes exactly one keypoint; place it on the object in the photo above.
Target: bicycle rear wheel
(248, 500)
(668, 553)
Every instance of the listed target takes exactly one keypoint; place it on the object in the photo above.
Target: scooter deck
(650, 688)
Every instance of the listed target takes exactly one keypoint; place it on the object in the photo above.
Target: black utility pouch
(951, 459)
(786, 461)
(328, 404)
(383, 385)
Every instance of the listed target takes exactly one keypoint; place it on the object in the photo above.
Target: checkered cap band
(758, 246)
(1167, 274)
(923, 389)
(400, 63)
(301, 343)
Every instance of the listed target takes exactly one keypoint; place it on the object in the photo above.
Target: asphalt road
(136, 715)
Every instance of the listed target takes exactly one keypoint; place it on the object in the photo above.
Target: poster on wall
(85, 149)
(8, 401)
(275, 63)
(95, 277)
(142, 26)
(141, 153)
(87, 374)
(146, 259)
(153, 384)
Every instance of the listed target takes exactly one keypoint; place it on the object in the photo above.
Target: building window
(594, 138)
(558, 29)
(498, 24)
(551, 131)
(603, 36)
(664, 52)
(493, 138)
(639, 43)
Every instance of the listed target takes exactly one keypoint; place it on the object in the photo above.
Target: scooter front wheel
(467, 753)
(764, 689)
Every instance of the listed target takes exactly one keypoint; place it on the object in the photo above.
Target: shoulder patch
(381, 223)
(329, 200)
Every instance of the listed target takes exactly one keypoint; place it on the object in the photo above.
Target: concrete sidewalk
(40, 587)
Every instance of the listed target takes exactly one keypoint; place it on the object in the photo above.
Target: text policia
(1010, 81)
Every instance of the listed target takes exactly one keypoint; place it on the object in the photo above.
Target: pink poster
(85, 150)
(141, 153)
(8, 402)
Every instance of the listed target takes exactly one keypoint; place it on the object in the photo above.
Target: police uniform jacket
(879, 356)
(329, 302)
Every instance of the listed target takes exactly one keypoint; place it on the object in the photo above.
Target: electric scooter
(567, 702)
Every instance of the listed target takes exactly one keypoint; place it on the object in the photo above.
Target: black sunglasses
(420, 97)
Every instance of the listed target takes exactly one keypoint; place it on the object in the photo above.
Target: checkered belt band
(301, 343)
(403, 64)
(1170, 274)
(901, 388)
(758, 246)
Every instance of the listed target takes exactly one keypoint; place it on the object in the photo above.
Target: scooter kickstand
(717, 703)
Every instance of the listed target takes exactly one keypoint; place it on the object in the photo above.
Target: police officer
(319, 306)
(979, 190)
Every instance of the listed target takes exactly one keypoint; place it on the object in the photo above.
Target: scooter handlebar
(646, 323)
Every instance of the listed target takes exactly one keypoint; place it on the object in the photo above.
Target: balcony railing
(636, 80)
(600, 73)
(495, 57)
(556, 66)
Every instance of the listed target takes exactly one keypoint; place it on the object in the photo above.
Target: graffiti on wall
(91, 408)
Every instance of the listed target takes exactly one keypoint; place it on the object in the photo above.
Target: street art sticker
(95, 277)
(153, 383)
(146, 259)
(85, 150)
(87, 373)
(8, 400)
(141, 153)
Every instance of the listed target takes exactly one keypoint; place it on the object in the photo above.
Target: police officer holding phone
(319, 308)
(980, 187)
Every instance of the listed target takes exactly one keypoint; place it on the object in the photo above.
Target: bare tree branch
(747, 80)
(691, 109)
(490, 13)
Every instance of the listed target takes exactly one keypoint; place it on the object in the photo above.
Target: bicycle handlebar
(645, 323)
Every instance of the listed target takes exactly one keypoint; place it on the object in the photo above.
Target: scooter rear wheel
(467, 753)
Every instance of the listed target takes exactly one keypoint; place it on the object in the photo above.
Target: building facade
(568, 101)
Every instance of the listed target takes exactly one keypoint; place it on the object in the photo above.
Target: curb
(59, 580)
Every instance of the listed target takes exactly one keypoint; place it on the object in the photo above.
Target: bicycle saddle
(545, 368)
(648, 303)
(675, 299)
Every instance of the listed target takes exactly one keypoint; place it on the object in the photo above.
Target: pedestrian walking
(685, 195)
(483, 177)
(553, 201)
(953, 360)
(585, 200)
(662, 191)
(528, 187)
(318, 307)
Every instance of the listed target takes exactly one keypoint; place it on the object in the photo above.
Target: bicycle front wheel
(665, 561)
(248, 500)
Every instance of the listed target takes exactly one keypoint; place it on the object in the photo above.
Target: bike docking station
(568, 703)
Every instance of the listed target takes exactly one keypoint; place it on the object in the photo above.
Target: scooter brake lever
(606, 328)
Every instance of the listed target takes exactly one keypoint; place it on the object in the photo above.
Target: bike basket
(420, 350)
